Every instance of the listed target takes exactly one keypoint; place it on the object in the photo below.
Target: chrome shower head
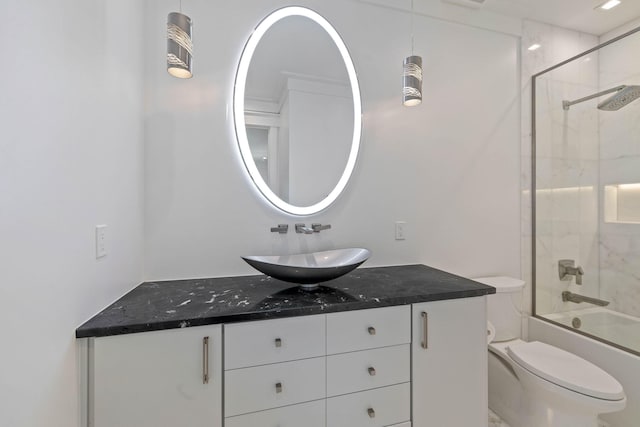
(624, 96)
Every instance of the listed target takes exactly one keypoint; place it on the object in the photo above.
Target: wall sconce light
(412, 75)
(179, 45)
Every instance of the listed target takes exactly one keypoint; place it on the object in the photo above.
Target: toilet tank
(504, 308)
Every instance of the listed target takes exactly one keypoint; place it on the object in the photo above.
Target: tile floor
(495, 421)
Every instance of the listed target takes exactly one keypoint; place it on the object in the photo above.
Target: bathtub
(603, 323)
(624, 366)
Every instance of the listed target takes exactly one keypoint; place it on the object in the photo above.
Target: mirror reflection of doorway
(263, 140)
(259, 142)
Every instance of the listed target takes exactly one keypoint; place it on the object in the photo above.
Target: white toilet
(532, 384)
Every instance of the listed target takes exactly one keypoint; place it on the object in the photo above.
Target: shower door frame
(533, 191)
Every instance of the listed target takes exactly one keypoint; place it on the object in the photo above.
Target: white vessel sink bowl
(309, 269)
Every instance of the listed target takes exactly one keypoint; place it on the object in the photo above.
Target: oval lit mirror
(297, 110)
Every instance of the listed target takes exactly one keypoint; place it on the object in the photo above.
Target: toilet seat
(565, 369)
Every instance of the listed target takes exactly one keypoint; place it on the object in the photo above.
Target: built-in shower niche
(622, 203)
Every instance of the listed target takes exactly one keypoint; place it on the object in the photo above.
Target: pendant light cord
(181, 6)
(411, 27)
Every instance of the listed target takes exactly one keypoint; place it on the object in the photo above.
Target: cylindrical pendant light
(412, 81)
(179, 45)
(412, 75)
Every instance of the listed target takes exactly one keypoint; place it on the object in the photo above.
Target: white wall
(70, 158)
(450, 167)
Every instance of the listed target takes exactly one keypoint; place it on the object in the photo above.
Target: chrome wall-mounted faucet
(281, 228)
(315, 228)
(301, 228)
(566, 269)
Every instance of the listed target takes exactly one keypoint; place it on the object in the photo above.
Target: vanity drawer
(364, 329)
(271, 386)
(374, 408)
(311, 414)
(364, 370)
(272, 341)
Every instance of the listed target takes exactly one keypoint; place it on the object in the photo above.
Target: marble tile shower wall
(567, 162)
(620, 164)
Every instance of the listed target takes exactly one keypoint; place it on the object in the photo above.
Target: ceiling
(579, 15)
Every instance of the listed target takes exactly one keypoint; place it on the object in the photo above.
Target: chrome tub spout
(577, 298)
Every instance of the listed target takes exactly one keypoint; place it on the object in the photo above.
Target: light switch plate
(101, 241)
(401, 229)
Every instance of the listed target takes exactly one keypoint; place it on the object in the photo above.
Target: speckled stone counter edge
(153, 306)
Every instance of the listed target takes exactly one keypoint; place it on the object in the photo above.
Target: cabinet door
(449, 376)
(156, 379)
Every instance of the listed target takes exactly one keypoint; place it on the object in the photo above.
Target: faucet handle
(579, 274)
(319, 227)
(566, 268)
(281, 228)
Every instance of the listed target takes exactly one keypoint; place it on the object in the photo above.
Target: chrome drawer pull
(371, 412)
(372, 371)
(278, 342)
(205, 360)
(278, 387)
(425, 329)
(372, 330)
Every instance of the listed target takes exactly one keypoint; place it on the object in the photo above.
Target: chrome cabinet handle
(278, 387)
(278, 342)
(425, 329)
(371, 412)
(372, 330)
(205, 360)
(372, 371)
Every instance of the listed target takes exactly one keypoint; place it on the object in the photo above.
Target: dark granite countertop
(172, 304)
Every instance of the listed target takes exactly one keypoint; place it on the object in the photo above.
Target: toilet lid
(566, 370)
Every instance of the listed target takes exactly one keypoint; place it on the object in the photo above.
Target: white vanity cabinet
(348, 369)
(420, 365)
(155, 379)
(449, 363)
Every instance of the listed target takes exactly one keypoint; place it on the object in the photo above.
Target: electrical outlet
(401, 228)
(101, 241)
